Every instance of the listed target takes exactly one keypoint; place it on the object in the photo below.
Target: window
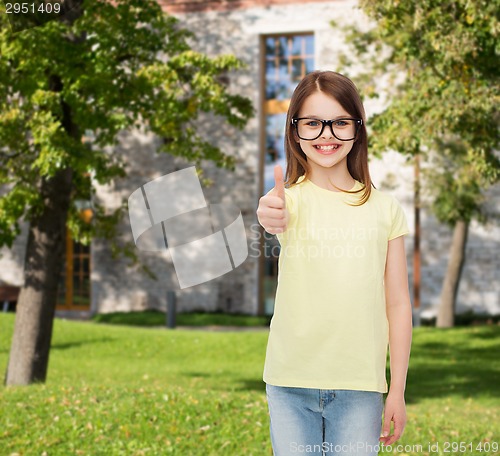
(286, 60)
(74, 284)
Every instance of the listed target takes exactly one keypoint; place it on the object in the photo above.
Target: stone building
(279, 41)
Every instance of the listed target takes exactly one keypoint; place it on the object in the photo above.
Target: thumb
(279, 183)
(386, 429)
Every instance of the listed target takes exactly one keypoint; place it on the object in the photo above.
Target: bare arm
(399, 315)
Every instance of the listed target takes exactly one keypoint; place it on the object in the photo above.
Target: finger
(386, 440)
(272, 224)
(386, 428)
(275, 202)
(272, 221)
(279, 183)
(265, 213)
(272, 214)
(391, 439)
(275, 230)
(398, 429)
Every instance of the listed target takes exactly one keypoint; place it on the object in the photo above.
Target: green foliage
(156, 391)
(157, 318)
(120, 65)
(455, 182)
(445, 103)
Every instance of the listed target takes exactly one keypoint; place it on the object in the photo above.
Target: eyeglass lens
(343, 129)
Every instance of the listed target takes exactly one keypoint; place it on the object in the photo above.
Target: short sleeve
(399, 224)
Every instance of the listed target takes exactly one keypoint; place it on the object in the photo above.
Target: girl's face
(325, 151)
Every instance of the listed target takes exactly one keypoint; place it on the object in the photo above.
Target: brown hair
(345, 92)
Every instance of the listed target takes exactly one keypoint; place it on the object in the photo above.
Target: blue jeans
(307, 421)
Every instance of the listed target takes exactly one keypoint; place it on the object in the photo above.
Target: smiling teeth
(335, 146)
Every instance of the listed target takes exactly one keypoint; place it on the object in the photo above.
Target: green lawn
(118, 390)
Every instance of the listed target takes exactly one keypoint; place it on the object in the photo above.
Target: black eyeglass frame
(358, 123)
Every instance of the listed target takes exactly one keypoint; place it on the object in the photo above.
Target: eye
(313, 123)
(342, 123)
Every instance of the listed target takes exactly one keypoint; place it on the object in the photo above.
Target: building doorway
(74, 291)
(286, 60)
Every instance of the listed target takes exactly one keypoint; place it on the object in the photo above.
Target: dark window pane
(309, 45)
(283, 47)
(297, 43)
(297, 70)
(309, 65)
(270, 80)
(271, 90)
(86, 266)
(283, 69)
(270, 69)
(269, 47)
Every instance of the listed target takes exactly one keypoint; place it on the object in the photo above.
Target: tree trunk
(446, 315)
(29, 354)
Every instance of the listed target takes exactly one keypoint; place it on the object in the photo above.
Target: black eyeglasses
(344, 129)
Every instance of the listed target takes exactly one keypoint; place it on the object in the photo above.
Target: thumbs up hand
(272, 213)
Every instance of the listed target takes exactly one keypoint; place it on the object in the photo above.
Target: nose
(327, 130)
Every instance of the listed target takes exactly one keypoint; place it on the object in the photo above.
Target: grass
(117, 390)
(156, 318)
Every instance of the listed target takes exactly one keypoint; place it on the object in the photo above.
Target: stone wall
(12, 260)
(189, 6)
(118, 286)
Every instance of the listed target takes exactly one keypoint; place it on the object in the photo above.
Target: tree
(439, 59)
(107, 67)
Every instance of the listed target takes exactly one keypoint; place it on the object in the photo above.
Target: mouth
(327, 149)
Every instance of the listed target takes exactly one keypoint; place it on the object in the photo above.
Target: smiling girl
(342, 295)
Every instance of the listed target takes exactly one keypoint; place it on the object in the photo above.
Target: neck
(338, 175)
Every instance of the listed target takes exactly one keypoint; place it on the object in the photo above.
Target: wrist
(397, 391)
